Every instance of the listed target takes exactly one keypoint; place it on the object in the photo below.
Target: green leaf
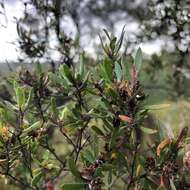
(188, 140)
(73, 186)
(66, 114)
(39, 69)
(107, 34)
(107, 124)
(142, 160)
(138, 59)
(118, 71)
(66, 73)
(10, 106)
(95, 145)
(58, 80)
(114, 137)
(110, 177)
(108, 69)
(148, 130)
(73, 168)
(107, 167)
(112, 93)
(97, 130)
(157, 106)
(33, 127)
(102, 73)
(86, 77)
(20, 96)
(29, 98)
(105, 47)
(113, 43)
(88, 156)
(36, 178)
(120, 41)
(54, 107)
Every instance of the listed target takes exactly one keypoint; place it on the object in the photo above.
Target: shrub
(79, 128)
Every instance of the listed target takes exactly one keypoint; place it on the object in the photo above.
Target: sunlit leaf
(148, 130)
(37, 178)
(157, 106)
(138, 59)
(162, 145)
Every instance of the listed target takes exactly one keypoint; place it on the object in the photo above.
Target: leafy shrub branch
(97, 116)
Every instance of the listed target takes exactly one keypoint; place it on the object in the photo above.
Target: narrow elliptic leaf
(118, 71)
(139, 170)
(126, 68)
(120, 41)
(110, 176)
(33, 127)
(105, 47)
(102, 73)
(38, 69)
(36, 178)
(66, 114)
(29, 98)
(107, 34)
(54, 107)
(125, 118)
(187, 140)
(162, 145)
(66, 73)
(114, 137)
(157, 106)
(20, 96)
(10, 106)
(138, 59)
(73, 186)
(97, 130)
(148, 130)
(88, 156)
(108, 68)
(86, 77)
(113, 43)
(73, 168)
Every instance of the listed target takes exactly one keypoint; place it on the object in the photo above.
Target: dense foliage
(83, 128)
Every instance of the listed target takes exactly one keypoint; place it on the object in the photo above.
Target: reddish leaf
(5, 131)
(125, 118)
(162, 145)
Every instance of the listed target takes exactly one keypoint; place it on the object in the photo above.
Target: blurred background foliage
(43, 37)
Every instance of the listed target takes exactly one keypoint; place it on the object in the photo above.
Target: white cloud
(8, 34)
